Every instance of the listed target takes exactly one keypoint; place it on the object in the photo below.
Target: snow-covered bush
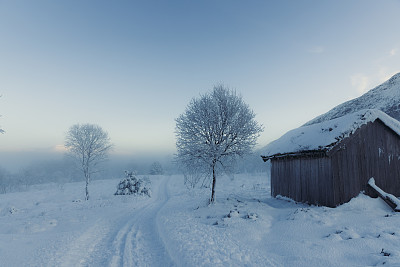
(132, 185)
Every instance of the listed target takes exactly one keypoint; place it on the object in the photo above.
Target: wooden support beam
(374, 190)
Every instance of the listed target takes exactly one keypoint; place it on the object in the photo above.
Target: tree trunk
(87, 190)
(87, 186)
(212, 200)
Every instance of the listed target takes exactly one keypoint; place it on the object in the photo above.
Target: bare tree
(213, 131)
(89, 145)
(5, 181)
(156, 168)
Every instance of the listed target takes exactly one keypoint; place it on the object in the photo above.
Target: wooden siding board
(306, 172)
(279, 180)
(330, 184)
(317, 184)
(304, 183)
(324, 181)
(274, 177)
(336, 179)
(296, 170)
(292, 182)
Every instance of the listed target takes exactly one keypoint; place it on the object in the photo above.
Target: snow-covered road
(126, 239)
(138, 242)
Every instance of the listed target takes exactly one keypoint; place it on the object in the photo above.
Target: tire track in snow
(138, 243)
(119, 245)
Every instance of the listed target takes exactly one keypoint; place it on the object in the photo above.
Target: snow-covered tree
(133, 185)
(156, 168)
(89, 145)
(214, 130)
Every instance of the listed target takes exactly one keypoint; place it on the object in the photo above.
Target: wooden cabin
(331, 162)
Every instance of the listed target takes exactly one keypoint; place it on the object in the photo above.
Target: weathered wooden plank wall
(373, 151)
(303, 179)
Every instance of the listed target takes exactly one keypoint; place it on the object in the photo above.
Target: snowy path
(132, 239)
(138, 243)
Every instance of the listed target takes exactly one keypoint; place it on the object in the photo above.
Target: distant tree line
(55, 171)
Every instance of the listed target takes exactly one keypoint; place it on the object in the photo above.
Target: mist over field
(21, 169)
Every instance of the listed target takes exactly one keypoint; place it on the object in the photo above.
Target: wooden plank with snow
(390, 199)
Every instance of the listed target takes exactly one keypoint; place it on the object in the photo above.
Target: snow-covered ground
(50, 226)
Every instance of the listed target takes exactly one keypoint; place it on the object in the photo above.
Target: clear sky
(133, 66)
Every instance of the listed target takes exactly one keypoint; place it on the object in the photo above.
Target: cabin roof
(325, 135)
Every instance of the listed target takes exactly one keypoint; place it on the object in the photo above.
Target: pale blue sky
(133, 66)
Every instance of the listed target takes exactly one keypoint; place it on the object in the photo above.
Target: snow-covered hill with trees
(385, 97)
(51, 225)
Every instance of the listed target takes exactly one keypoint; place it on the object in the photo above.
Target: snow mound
(325, 135)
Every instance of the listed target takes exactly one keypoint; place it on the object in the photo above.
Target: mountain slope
(385, 97)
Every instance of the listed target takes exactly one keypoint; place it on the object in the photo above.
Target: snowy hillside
(385, 97)
(50, 226)
(326, 134)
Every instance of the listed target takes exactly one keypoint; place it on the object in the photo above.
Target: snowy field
(50, 225)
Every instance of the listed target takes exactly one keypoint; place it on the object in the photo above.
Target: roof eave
(305, 153)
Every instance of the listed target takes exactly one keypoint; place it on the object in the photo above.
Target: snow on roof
(326, 134)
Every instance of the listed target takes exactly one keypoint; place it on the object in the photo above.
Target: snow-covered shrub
(132, 185)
